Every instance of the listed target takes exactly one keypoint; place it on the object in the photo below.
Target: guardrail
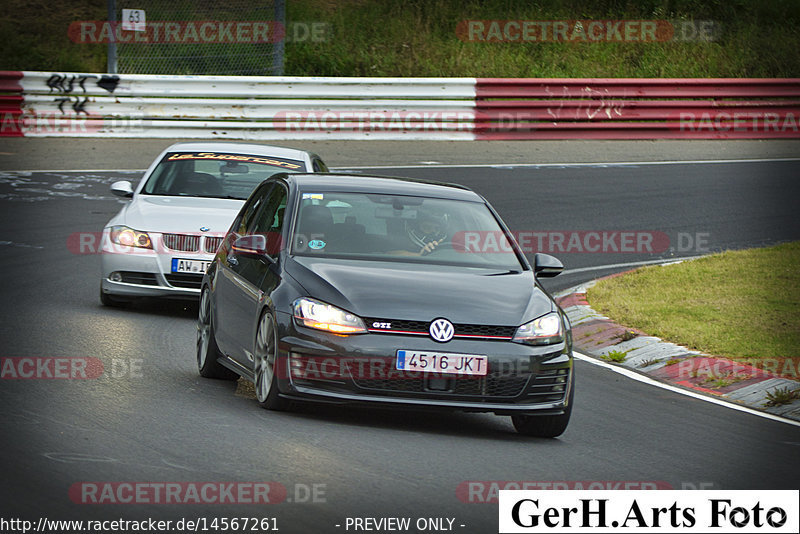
(284, 108)
(635, 108)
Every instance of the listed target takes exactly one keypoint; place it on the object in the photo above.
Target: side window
(270, 218)
(269, 221)
(245, 221)
(319, 166)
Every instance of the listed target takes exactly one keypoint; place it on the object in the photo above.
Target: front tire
(546, 426)
(207, 350)
(265, 364)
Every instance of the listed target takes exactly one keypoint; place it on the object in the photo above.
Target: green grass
(418, 38)
(743, 305)
(615, 356)
(781, 396)
(33, 36)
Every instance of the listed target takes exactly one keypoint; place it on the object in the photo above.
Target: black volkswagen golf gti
(389, 291)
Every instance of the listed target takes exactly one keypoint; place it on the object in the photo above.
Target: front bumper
(360, 369)
(147, 273)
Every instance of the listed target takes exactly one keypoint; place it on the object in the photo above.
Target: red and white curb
(597, 336)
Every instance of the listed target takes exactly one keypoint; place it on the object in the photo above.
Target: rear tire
(207, 350)
(266, 365)
(546, 426)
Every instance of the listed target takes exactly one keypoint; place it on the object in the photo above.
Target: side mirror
(546, 266)
(122, 188)
(259, 245)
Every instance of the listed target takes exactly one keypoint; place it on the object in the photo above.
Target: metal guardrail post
(111, 64)
(279, 46)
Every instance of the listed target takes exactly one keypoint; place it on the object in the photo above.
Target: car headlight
(122, 235)
(545, 330)
(315, 314)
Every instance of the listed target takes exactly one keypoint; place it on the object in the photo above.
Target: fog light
(115, 277)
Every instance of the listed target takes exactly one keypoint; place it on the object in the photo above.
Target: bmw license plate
(442, 362)
(180, 265)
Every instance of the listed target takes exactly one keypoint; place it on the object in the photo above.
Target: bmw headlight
(315, 314)
(545, 330)
(122, 235)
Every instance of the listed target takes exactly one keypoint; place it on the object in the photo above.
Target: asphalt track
(151, 419)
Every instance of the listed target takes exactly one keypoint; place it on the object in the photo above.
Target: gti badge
(441, 330)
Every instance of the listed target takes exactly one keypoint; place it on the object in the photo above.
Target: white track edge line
(585, 164)
(689, 393)
(664, 261)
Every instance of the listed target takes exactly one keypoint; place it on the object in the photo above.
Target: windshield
(214, 174)
(401, 228)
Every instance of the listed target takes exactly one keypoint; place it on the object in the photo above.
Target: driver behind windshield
(424, 233)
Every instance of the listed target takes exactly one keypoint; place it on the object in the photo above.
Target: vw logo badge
(442, 330)
(204, 228)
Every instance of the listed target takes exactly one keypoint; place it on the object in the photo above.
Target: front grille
(211, 244)
(143, 279)
(186, 280)
(492, 385)
(182, 242)
(401, 326)
(480, 331)
(408, 383)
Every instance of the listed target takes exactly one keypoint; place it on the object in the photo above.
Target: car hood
(179, 214)
(406, 291)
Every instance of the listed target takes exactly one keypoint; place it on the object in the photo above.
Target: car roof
(393, 185)
(240, 148)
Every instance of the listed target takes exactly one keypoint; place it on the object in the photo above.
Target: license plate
(442, 362)
(180, 265)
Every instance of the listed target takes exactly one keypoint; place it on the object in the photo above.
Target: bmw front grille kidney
(182, 242)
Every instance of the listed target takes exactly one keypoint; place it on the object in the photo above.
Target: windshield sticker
(284, 164)
(317, 244)
(313, 196)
